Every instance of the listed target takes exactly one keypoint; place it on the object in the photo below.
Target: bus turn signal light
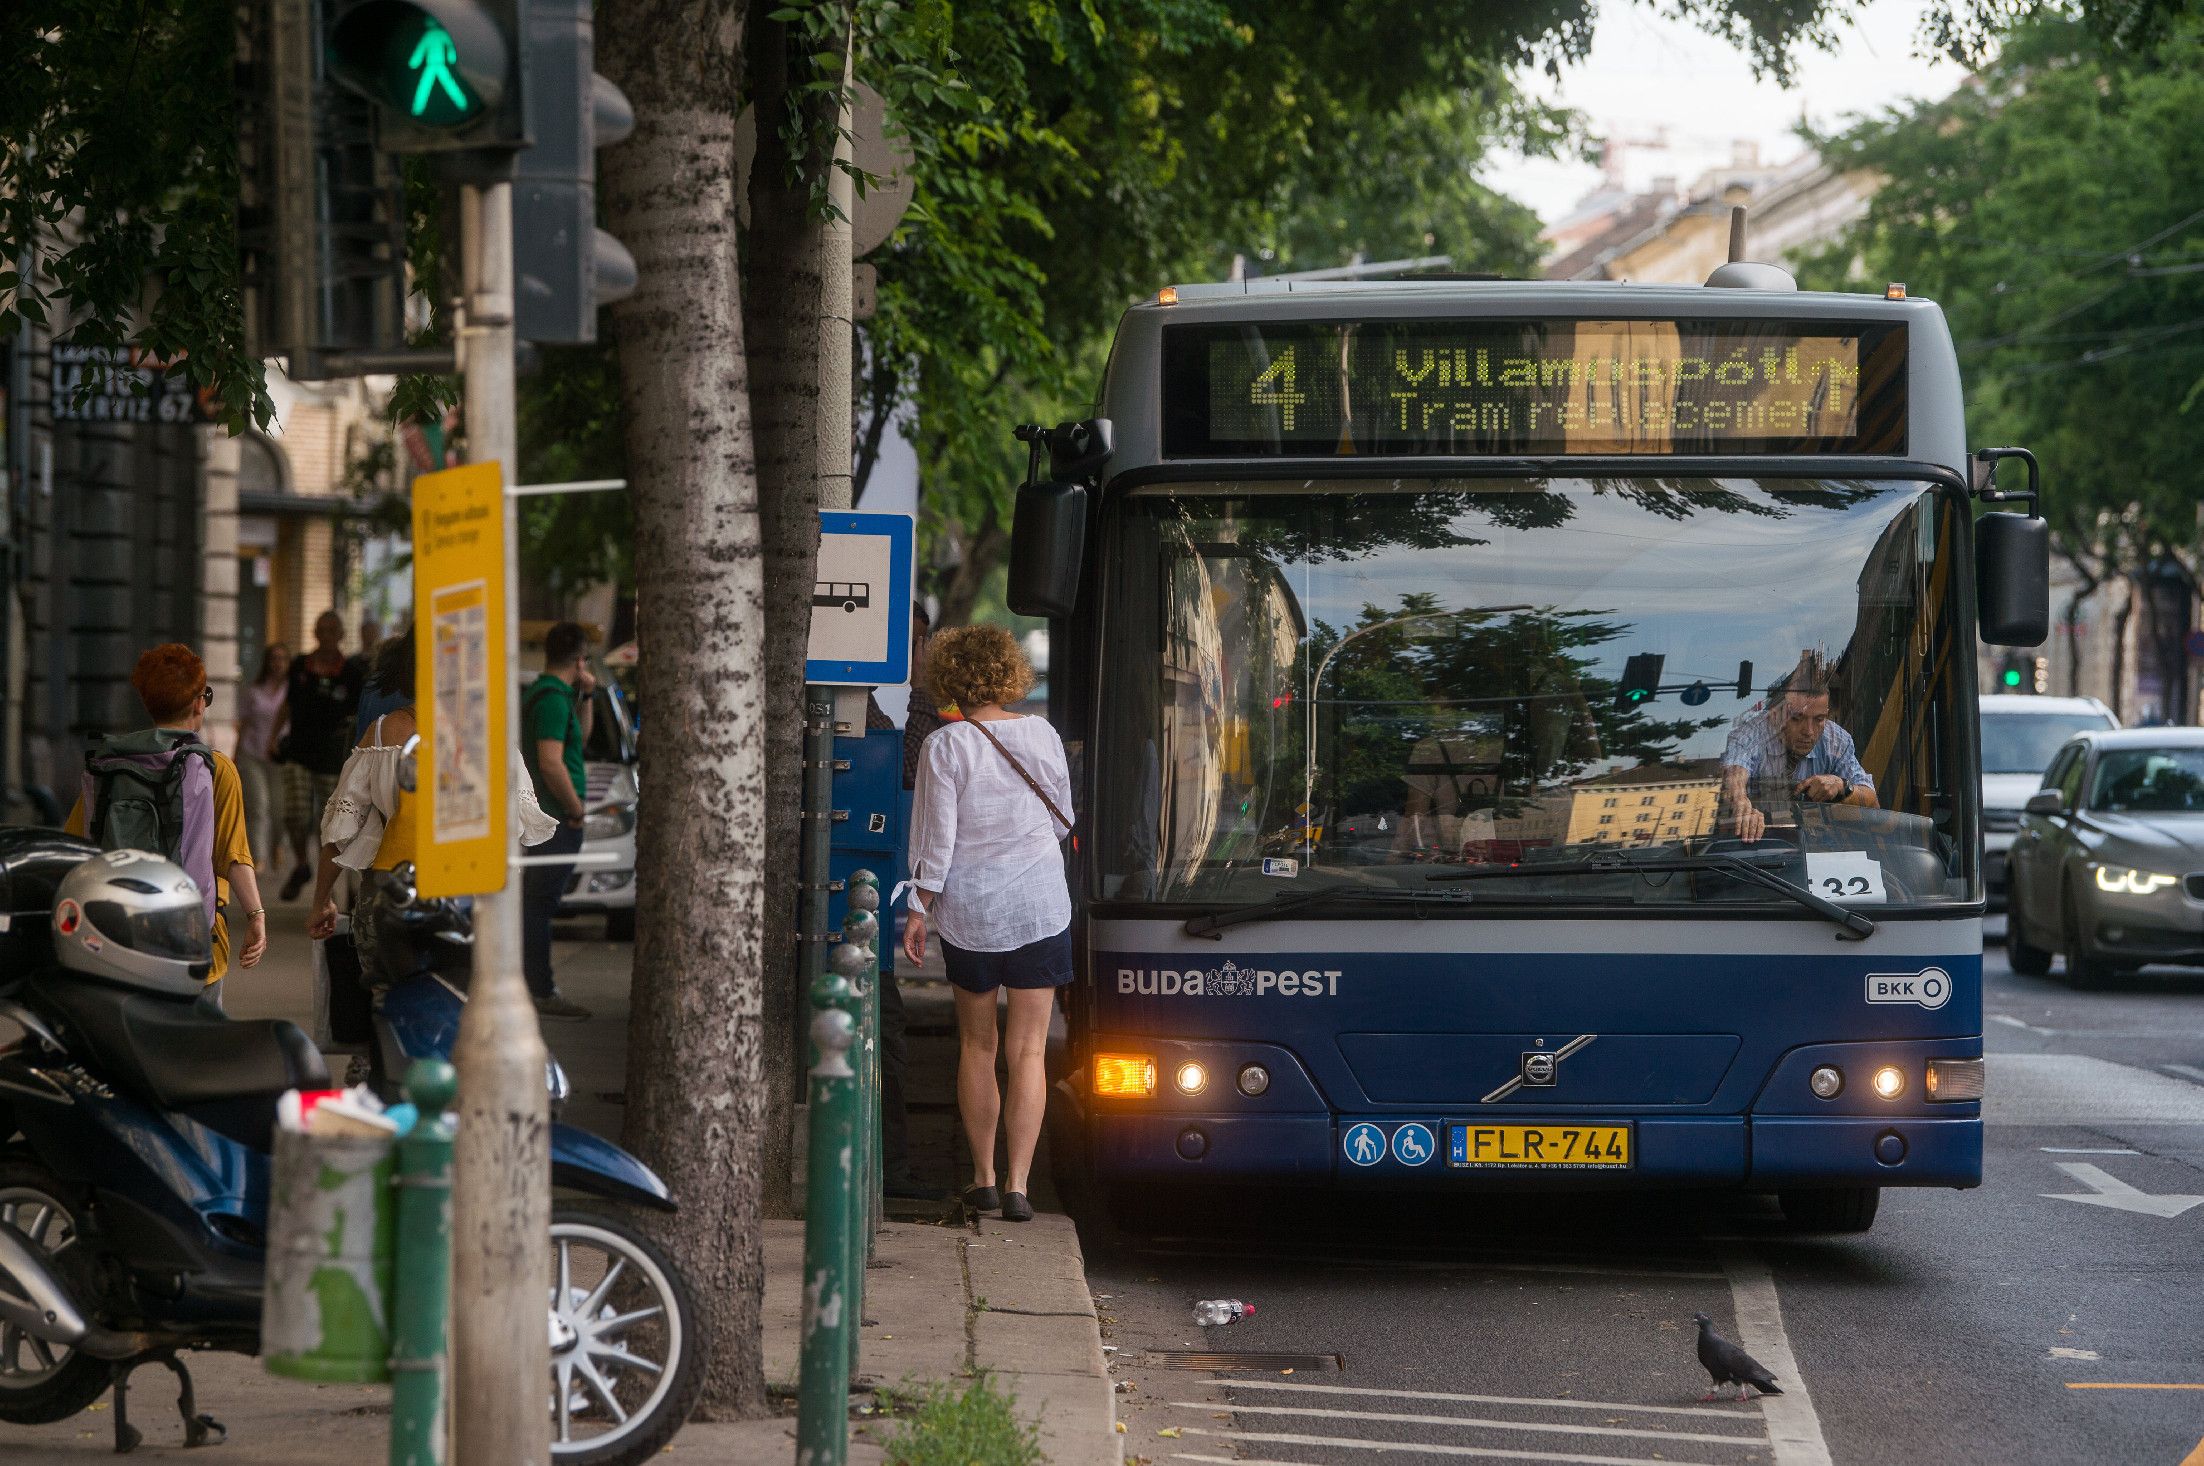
(1954, 1079)
(1127, 1076)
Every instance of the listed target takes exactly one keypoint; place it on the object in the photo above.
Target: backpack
(154, 790)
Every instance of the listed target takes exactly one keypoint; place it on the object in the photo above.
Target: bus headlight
(1827, 1082)
(2120, 880)
(1191, 1078)
(1126, 1076)
(1254, 1079)
(1890, 1081)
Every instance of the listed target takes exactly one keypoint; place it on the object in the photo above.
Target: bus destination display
(1305, 389)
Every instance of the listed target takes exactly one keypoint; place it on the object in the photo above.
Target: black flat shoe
(982, 1198)
(1016, 1208)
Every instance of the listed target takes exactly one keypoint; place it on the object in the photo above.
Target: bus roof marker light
(1168, 295)
(1895, 290)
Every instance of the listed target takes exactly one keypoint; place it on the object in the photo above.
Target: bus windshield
(1369, 682)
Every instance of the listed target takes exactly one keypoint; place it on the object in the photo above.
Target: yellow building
(1615, 813)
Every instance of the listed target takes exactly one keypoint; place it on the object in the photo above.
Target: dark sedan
(2108, 867)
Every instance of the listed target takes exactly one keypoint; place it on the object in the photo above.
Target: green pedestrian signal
(2012, 676)
(432, 58)
(435, 68)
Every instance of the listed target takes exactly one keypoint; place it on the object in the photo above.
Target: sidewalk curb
(1032, 1324)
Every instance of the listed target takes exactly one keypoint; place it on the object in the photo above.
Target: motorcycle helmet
(130, 917)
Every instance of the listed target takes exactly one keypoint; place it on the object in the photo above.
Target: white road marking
(2067, 1089)
(2008, 1018)
(1424, 1448)
(2186, 1071)
(1471, 1420)
(2111, 1191)
(1440, 1265)
(1793, 1427)
(1258, 1384)
(2071, 1150)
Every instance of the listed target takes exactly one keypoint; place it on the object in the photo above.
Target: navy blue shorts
(1042, 964)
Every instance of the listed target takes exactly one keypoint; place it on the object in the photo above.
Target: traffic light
(445, 77)
(1641, 681)
(321, 219)
(2022, 674)
(564, 266)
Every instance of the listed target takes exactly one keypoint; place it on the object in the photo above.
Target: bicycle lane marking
(1793, 1428)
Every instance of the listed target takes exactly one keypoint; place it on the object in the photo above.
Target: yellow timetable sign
(459, 627)
(1538, 1147)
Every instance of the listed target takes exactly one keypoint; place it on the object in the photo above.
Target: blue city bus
(1525, 735)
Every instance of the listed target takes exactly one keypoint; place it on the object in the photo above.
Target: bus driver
(1790, 750)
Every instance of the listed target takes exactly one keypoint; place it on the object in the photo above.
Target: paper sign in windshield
(1847, 877)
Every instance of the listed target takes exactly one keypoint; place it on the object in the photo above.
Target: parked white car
(2019, 736)
(610, 803)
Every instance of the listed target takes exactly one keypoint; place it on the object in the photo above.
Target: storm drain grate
(1274, 1363)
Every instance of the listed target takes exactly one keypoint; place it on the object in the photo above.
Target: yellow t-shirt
(230, 848)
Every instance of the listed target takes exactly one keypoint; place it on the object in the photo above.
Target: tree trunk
(984, 546)
(2119, 647)
(781, 324)
(695, 1037)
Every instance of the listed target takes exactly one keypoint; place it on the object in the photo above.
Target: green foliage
(2051, 208)
(979, 1427)
(118, 161)
(570, 429)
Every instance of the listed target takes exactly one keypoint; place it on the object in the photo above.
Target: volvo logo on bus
(1541, 1069)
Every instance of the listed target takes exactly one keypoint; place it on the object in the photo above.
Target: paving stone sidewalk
(945, 1298)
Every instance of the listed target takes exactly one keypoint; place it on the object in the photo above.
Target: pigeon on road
(1730, 1365)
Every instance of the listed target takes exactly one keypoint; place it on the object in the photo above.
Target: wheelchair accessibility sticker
(1412, 1145)
(1364, 1144)
(1928, 988)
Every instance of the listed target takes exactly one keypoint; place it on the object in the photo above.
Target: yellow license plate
(1538, 1147)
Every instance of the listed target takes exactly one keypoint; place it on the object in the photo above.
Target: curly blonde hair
(973, 666)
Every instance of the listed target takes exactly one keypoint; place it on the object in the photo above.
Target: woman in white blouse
(987, 872)
(369, 826)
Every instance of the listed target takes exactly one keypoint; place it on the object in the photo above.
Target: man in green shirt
(555, 719)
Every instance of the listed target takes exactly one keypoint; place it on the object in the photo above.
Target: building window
(1643, 818)
(1606, 819)
(1608, 803)
(1647, 800)
(1683, 799)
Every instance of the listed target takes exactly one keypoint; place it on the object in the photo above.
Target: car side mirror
(2044, 801)
(1048, 536)
(2012, 559)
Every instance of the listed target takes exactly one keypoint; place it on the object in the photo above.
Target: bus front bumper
(1760, 1152)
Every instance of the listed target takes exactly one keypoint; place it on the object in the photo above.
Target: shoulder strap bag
(1030, 782)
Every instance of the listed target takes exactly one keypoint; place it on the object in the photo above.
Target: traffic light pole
(501, 1166)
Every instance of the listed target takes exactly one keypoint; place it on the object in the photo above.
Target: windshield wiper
(1215, 922)
(1740, 866)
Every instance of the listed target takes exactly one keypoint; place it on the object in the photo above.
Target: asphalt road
(1956, 1331)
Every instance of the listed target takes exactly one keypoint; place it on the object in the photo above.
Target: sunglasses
(206, 695)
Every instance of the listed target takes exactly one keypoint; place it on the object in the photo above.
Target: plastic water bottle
(1221, 1311)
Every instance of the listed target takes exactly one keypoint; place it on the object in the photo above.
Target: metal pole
(864, 896)
(837, 301)
(420, 1365)
(830, 1321)
(501, 1191)
(860, 929)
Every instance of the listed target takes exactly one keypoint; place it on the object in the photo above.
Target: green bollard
(855, 957)
(420, 1364)
(830, 1310)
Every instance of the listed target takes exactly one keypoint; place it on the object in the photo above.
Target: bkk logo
(1229, 981)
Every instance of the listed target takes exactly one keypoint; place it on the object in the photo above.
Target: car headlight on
(609, 823)
(2123, 881)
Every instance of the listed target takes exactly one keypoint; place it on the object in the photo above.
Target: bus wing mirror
(1048, 536)
(2012, 559)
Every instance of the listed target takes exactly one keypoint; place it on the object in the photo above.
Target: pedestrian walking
(314, 733)
(370, 827)
(260, 703)
(987, 869)
(556, 714)
(376, 699)
(163, 789)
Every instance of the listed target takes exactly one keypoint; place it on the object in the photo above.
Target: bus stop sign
(861, 601)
